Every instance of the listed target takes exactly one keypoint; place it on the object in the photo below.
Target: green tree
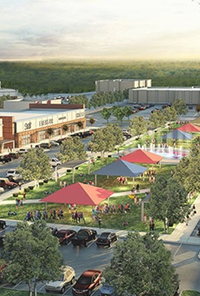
(33, 255)
(80, 124)
(106, 113)
(35, 165)
(156, 119)
(141, 266)
(50, 132)
(180, 106)
(72, 149)
(92, 121)
(170, 114)
(168, 201)
(118, 113)
(105, 140)
(127, 111)
(65, 127)
(138, 125)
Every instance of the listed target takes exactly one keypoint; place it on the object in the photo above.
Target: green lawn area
(190, 293)
(111, 220)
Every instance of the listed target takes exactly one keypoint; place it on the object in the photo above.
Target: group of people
(56, 214)
(78, 216)
(122, 180)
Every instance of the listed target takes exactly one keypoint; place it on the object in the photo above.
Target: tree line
(36, 78)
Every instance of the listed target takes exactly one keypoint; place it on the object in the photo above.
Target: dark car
(5, 158)
(59, 141)
(14, 155)
(87, 282)
(106, 238)
(65, 235)
(84, 236)
(2, 224)
(43, 145)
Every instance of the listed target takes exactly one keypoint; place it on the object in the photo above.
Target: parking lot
(81, 259)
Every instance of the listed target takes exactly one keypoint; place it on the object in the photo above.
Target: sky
(99, 29)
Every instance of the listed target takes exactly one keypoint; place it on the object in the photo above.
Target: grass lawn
(190, 293)
(113, 221)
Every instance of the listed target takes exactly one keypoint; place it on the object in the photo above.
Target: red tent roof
(79, 193)
(142, 156)
(189, 127)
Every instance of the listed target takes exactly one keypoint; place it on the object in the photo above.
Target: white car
(55, 161)
(54, 143)
(22, 150)
(67, 278)
(1, 190)
(13, 173)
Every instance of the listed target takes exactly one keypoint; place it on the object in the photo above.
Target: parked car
(134, 110)
(14, 155)
(67, 278)
(106, 238)
(84, 236)
(59, 141)
(6, 184)
(43, 145)
(86, 283)
(55, 161)
(54, 143)
(106, 290)
(22, 151)
(5, 158)
(1, 190)
(13, 173)
(2, 224)
(16, 180)
(65, 235)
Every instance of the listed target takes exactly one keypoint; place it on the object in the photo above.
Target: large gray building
(160, 95)
(121, 84)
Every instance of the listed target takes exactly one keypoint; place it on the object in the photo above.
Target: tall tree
(72, 149)
(92, 121)
(35, 165)
(168, 201)
(50, 133)
(170, 114)
(138, 125)
(127, 111)
(156, 119)
(180, 106)
(118, 113)
(32, 255)
(142, 266)
(106, 113)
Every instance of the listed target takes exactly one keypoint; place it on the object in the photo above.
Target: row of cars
(84, 236)
(140, 106)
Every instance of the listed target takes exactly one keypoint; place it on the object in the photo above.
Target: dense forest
(73, 77)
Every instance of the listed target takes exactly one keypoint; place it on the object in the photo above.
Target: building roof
(30, 114)
(168, 88)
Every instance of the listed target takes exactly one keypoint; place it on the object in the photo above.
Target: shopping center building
(162, 95)
(120, 84)
(26, 123)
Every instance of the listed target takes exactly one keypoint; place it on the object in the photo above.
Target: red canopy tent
(189, 127)
(80, 194)
(142, 156)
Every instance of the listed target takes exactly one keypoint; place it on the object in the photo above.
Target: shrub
(41, 183)
(26, 189)
(46, 181)
(15, 194)
(31, 187)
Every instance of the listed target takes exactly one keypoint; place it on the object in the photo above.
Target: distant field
(71, 77)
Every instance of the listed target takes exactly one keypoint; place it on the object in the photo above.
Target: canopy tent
(178, 135)
(80, 194)
(142, 156)
(120, 168)
(189, 127)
